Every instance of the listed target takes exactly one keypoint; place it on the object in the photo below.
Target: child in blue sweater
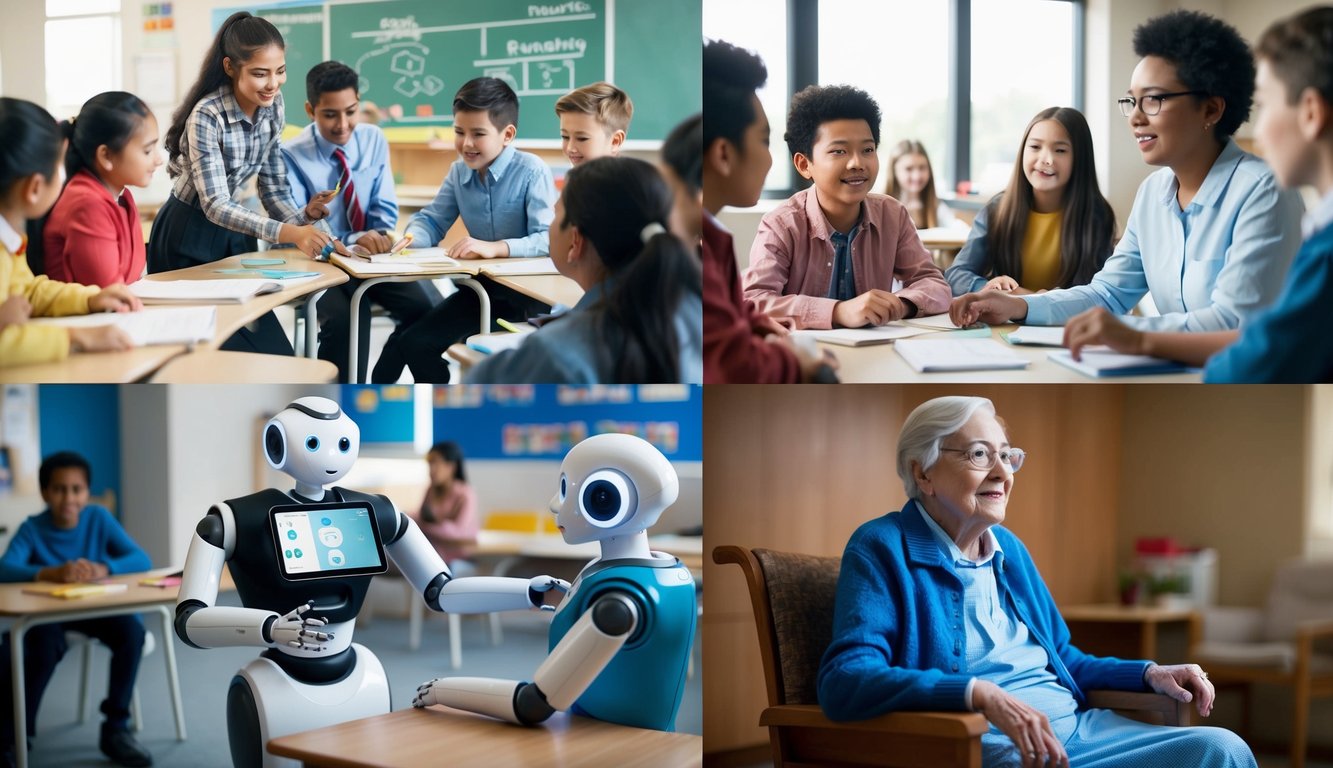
(74, 541)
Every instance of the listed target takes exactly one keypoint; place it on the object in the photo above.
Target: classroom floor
(204, 677)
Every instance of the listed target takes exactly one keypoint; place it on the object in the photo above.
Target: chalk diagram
(408, 61)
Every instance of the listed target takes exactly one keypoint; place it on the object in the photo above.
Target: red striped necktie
(355, 216)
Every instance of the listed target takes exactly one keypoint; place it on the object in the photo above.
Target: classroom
(480, 471)
(397, 229)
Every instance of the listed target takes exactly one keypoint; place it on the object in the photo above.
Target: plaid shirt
(221, 150)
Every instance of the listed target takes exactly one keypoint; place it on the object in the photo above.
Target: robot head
(312, 440)
(612, 485)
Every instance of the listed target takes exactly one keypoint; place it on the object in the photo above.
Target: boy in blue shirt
(338, 151)
(1287, 343)
(73, 541)
(506, 199)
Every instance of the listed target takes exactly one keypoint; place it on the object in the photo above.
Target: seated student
(504, 197)
(593, 121)
(74, 541)
(448, 513)
(30, 181)
(1210, 235)
(828, 256)
(1051, 227)
(338, 151)
(912, 183)
(741, 344)
(93, 235)
(1288, 342)
(638, 320)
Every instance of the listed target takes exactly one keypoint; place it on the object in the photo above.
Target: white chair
(85, 644)
(416, 611)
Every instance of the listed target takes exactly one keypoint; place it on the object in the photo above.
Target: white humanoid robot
(620, 641)
(302, 561)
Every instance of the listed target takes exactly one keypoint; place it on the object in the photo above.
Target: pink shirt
(91, 237)
(791, 261)
(460, 503)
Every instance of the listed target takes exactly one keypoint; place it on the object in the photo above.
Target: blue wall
(84, 418)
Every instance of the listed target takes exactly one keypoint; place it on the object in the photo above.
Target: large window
(82, 52)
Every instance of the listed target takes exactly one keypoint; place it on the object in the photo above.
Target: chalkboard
(413, 55)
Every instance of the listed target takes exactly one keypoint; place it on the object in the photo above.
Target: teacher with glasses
(1211, 234)
(939, 607)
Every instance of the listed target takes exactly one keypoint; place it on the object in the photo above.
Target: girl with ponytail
(640, 318)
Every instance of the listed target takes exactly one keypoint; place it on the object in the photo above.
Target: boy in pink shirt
(828, 256)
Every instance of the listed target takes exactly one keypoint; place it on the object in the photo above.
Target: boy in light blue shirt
(336, 151)
(506, 199)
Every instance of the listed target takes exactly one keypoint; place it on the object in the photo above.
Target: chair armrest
(1233, 625)
(1314, 628)
(959, 725)
(1173, 712)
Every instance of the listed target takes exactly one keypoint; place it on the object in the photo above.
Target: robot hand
(298, 631)
(538, 586)
(426, 694)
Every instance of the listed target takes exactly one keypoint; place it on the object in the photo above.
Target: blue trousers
(1100, 738)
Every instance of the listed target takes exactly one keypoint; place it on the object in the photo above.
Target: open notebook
(411, 256)
(224, 291)
(931, 355)
(152, 325)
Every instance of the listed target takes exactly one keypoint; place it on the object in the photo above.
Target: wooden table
(944, 243)
(217, 367)
(412, 738)
(98, 367)
(1111, 629)
(880, 363)
(548, 289)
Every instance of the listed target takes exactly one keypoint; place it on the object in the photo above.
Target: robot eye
(564, 488)
(344, 444)
(607, 498)
(312, 443)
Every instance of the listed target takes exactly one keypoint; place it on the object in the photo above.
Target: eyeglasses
(1151, 103)
(982, 457)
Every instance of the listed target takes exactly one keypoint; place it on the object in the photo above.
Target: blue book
(1099, 363)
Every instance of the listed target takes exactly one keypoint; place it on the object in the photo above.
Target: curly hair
(815, 105)
(731, 77)
(1209, 56)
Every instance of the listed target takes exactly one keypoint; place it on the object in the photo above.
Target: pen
(479, 348)
(508, 326)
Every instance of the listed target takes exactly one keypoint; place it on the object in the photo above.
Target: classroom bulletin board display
(528, 421)
(413, 55)
(84, 418)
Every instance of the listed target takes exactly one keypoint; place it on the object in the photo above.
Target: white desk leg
(483, 299)
(16, 633)
(312, 325)
(169, 652)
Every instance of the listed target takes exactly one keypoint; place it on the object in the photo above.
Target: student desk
(550, 290)
(410, 738)
(217, 367)
(101, 368)
(880, 363)
(944, 243)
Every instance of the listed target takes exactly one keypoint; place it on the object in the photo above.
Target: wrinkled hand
(297, 630)
(426, 694)
(375, 242)
(1028, 728)
(990, 307)
(1183, 682)
(15, 311)
(472, 248)
(1002, 283)
(114, 298)
(1097, 326)
(538, 586)
(874, 307)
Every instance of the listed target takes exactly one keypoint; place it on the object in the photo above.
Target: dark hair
(930, 200)
(1300, 51)
(238, 39)
(1209, 56)
(63, 460)
(492, 96)
(731, 77)
(683, 151)
(31, 145)
(330, 77)
(450, 452)
(1087, 230)
(611, 200)
(815, 105)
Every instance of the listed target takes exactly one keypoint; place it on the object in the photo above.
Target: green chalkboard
(302, 28)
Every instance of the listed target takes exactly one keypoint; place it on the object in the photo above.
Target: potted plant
(1170, 590)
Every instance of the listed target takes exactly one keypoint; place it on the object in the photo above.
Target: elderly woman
(940, 608)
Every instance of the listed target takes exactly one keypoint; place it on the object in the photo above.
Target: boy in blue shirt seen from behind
(74, 541)
(337, 151)
(506, 199)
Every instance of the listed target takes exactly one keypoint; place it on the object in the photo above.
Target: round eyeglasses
(1150, 103)
(981, 457)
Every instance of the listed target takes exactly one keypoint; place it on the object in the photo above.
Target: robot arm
(560, 680)
(422, 566)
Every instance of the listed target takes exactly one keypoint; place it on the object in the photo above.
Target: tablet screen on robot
(319, 541)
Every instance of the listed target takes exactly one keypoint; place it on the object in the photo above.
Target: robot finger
(322, 637)
(550, 608)
(313, 622)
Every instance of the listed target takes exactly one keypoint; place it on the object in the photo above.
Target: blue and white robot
(620, 642)
(302, 561)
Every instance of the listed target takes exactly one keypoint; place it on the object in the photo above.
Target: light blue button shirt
(311, 169)
(1208, 267)
(514, 203)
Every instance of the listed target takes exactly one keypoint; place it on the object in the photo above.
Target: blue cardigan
(98, 537)
(898, 640)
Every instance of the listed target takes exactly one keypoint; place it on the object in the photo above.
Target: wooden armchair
(792, 596)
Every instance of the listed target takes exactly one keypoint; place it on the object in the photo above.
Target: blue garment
(1208, 267)
(312, 168)
(515, 203)
(98, 537)
(579, 349)
(843, 284)
(898, 624)
(1289, 343)
(1103, 739)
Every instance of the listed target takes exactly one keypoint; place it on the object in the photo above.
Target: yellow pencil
(508, 326)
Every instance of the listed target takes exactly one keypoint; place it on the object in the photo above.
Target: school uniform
(29, 342)
(92, 237)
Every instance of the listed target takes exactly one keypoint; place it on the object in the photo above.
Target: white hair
(926, 427)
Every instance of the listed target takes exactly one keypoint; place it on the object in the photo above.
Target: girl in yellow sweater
(31, 176)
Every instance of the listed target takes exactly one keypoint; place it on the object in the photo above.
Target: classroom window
(760, 26)
(72, 80)
(80, 7)
(1320, 471)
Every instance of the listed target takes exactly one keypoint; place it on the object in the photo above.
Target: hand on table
(15, 310)
(472, 248)
(99, 338)
(1003, 283)
(990, 307)
(1097, 326)
(74, 571)
(375, 242)
(874, 307)
(114, 298)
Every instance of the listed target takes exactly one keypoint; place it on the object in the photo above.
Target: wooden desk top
(943, 238)
(1116, 613)
(96, 367)
(880, 363)
(15, 602)
(217, 367)
(411, 738)
(548, 289)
